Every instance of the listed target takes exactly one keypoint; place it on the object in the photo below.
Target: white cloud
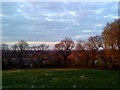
(32, 18)
(72, 13)
(60, 20)
(111, 16)
(49, 19)
(86, 30)
(51, 44)
(99, 10)
(50, 14)
(21, 5)
(37, 43)
(77, 37)
(82, 37)
(67, 28)
(19, 10)
(99, 25)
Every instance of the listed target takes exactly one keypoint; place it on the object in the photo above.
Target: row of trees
(101, 50)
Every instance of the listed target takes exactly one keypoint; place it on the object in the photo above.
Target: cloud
(86, 30)
(49, 19)
(110, 16)
(52, 21)
(99, 10)
(82, 37)
(99, 25)
(51, 44)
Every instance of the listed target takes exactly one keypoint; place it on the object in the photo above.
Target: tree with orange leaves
(111, 40)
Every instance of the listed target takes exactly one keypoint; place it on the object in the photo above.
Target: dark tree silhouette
(40, 52)
(4, 46)
(22, 47)
(82, 52)
(94, 43)
(15, 48)
(65, 47)
(5, 54)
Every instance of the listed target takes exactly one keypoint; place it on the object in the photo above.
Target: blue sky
(50, 22)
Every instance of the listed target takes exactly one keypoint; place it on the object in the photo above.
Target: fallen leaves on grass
(32, 86)
(55, 78)
(48, 74)
(42, 86)
(74, 86)
(82, 77)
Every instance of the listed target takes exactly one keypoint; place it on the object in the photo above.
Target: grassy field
(61, 78)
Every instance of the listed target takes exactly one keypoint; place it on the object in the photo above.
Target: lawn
(60, 78)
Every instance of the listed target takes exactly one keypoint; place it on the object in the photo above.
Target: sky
(50, 22)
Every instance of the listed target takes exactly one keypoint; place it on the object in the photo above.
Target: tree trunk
(65, 59)
(21, 59)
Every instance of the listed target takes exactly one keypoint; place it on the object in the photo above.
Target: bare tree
(22, 47)
(4, 49)
(94, 43)
(65, 47)
(4, 46)
(82, 53)
(4, 54)
(80, 45)
(14, 48)
(41, 52)
(42, 49)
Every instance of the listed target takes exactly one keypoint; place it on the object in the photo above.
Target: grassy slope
(60, 78)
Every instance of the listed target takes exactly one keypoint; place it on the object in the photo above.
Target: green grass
(60, 78)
